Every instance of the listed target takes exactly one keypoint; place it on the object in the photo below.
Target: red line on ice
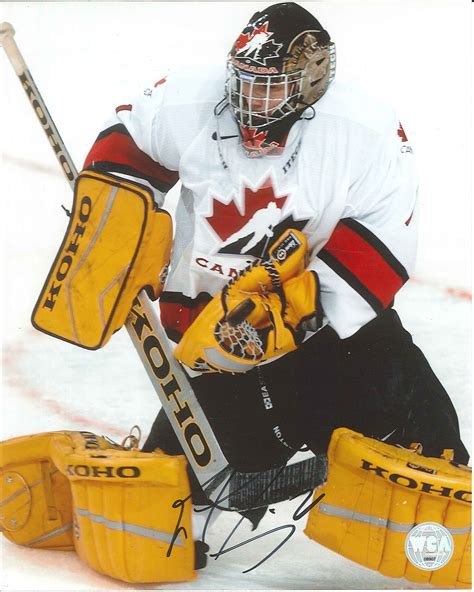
(456, 292)
(15, 379)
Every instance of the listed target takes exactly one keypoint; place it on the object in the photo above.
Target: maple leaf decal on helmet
(257, 45)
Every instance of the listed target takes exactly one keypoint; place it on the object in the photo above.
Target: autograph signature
(288, 529)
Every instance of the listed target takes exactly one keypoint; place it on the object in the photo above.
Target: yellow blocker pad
(257, 316)
(376, 493)
(117, 243)
(120, 509)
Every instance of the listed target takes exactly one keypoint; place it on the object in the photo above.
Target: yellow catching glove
(377, 493)
(262, 314)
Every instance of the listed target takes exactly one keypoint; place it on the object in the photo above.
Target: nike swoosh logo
(214, 136)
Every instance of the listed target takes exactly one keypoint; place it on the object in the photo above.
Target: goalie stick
(228, 488)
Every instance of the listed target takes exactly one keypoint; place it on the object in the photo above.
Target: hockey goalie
(295, 229)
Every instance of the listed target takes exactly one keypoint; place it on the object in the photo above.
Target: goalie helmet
(282, 62)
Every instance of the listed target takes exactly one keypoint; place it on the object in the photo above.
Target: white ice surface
(89, 57)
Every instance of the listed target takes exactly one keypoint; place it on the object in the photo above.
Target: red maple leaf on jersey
(226, 218)
(245, 38)
(401, 133)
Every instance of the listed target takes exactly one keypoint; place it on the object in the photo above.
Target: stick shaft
(39, 107)
(174, 390)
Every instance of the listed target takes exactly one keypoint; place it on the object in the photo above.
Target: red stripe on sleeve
(365, 263)
(121, 149)
(123, 108)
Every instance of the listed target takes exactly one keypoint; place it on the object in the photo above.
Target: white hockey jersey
(346, 179)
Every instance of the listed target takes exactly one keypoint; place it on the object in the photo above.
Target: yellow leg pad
(428, 510)
(465, 571)
(455, 520)
(35, 498)
(376, 493)
(401, 516)
(132, 512)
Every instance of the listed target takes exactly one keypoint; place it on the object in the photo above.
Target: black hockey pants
(376, 382)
